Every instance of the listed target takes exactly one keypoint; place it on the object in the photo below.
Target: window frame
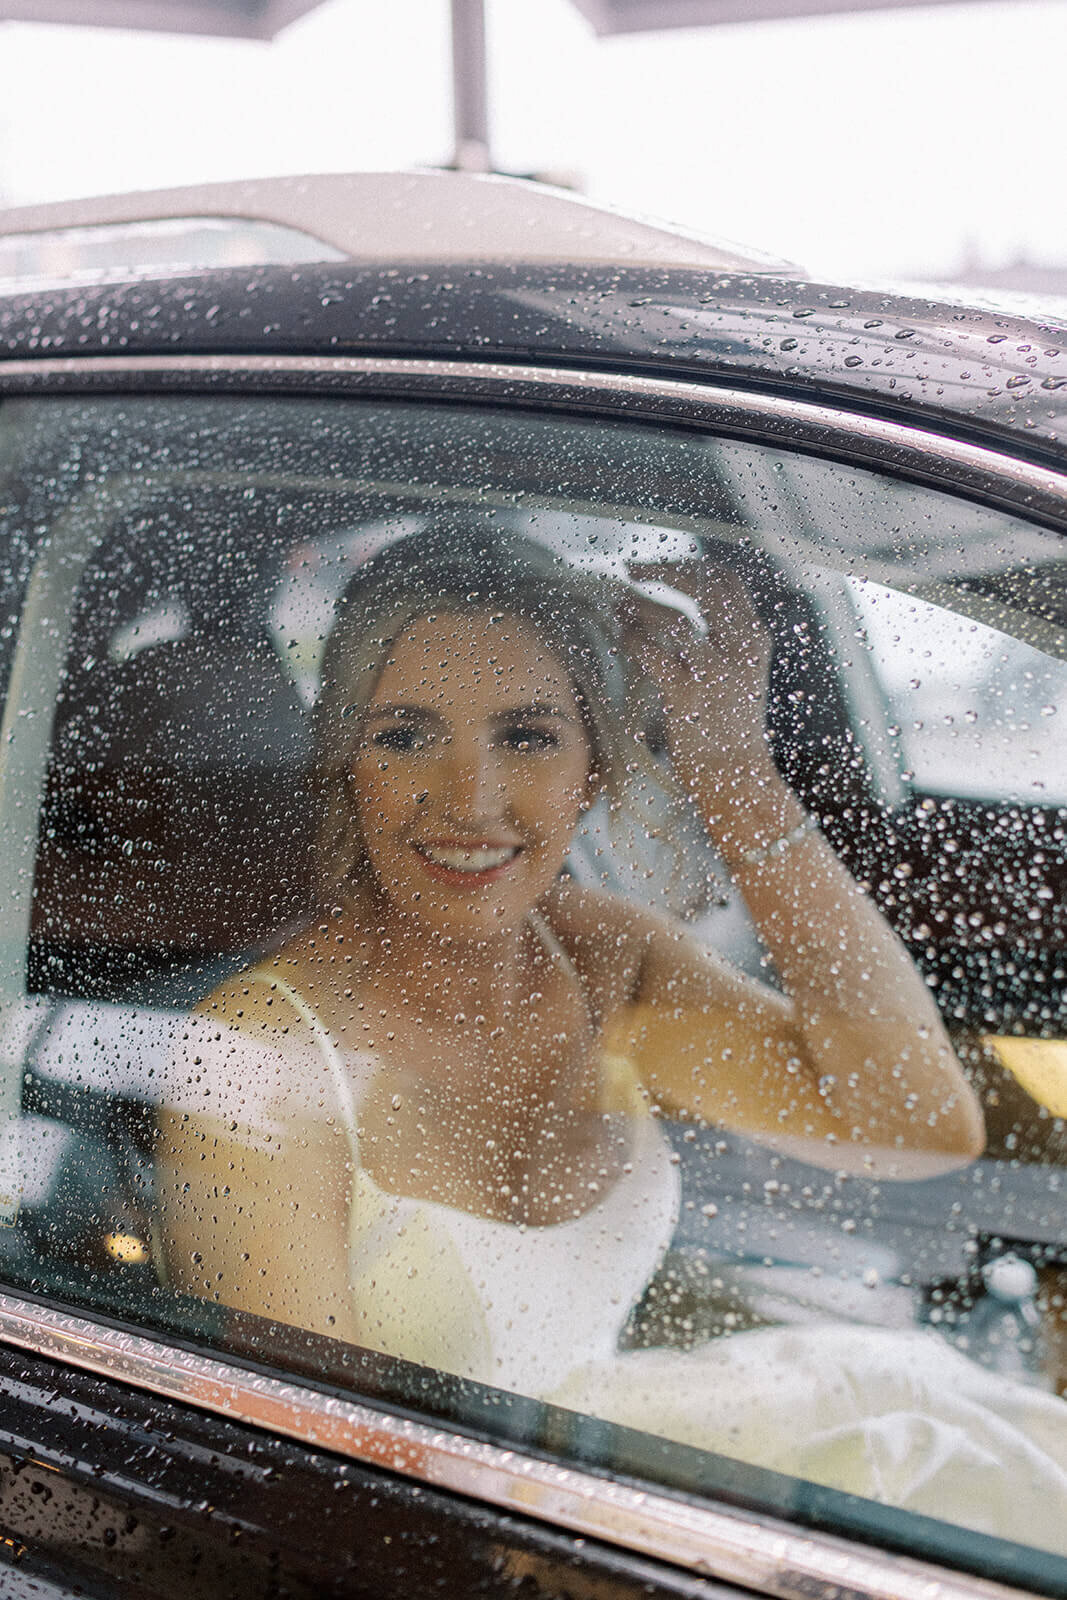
(770, 1555)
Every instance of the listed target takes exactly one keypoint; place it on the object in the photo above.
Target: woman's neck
(446, 976)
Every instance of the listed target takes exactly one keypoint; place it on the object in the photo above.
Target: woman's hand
(713, 690)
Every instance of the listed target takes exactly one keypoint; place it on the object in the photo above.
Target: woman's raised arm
(856, 1052)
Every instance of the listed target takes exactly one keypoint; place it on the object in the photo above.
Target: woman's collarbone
(490, 1154)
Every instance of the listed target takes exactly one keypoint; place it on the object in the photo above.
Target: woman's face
(471, 773)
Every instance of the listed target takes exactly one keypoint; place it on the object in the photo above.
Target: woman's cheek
(384, 789)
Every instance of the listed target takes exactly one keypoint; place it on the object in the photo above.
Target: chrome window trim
(905, 449)
(759, 1552)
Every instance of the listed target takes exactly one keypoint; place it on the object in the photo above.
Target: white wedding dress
(898, 1417)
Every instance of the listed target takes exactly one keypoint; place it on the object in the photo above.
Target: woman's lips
(466, 864)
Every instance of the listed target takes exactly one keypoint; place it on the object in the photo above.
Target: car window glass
(948, 679)
(555, 923)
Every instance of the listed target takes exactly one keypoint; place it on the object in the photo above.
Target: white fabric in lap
(897, 1417)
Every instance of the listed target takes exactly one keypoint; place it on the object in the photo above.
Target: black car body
(145, 1448)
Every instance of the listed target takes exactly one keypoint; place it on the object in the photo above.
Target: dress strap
(620, 1085)
(327, 1049)
(551, 942)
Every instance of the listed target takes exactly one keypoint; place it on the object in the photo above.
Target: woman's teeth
(479, 859)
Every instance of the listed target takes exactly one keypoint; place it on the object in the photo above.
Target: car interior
(173, 839)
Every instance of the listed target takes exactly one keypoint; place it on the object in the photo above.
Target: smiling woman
(472, 778)
(458, 745)
(429, 1123)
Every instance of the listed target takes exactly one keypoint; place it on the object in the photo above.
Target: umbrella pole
(470, 87)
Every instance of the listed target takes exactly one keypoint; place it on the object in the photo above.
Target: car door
(174, 563)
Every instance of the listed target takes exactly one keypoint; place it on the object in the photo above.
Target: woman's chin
(458, 915)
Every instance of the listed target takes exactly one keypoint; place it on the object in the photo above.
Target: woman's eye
(521, 737)
(400, 740)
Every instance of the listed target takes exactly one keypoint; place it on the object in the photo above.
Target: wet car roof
(486, 268)
(972, 372)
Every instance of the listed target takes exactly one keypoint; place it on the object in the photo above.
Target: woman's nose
(472, 786)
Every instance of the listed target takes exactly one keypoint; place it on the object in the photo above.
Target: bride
(428, 1123)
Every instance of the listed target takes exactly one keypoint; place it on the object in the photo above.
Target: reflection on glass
(513, 931)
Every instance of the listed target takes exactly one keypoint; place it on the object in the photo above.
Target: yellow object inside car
(1040, 1065)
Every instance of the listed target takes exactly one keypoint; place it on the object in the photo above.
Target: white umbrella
(263, 19)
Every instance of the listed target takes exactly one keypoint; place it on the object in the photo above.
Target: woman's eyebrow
(401, 709)
(536, 709)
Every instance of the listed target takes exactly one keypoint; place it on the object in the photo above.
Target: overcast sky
(867, 146)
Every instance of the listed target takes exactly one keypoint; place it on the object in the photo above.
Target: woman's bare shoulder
(253, 999)
(248, 1047)
(276, 988)
(645, 955)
